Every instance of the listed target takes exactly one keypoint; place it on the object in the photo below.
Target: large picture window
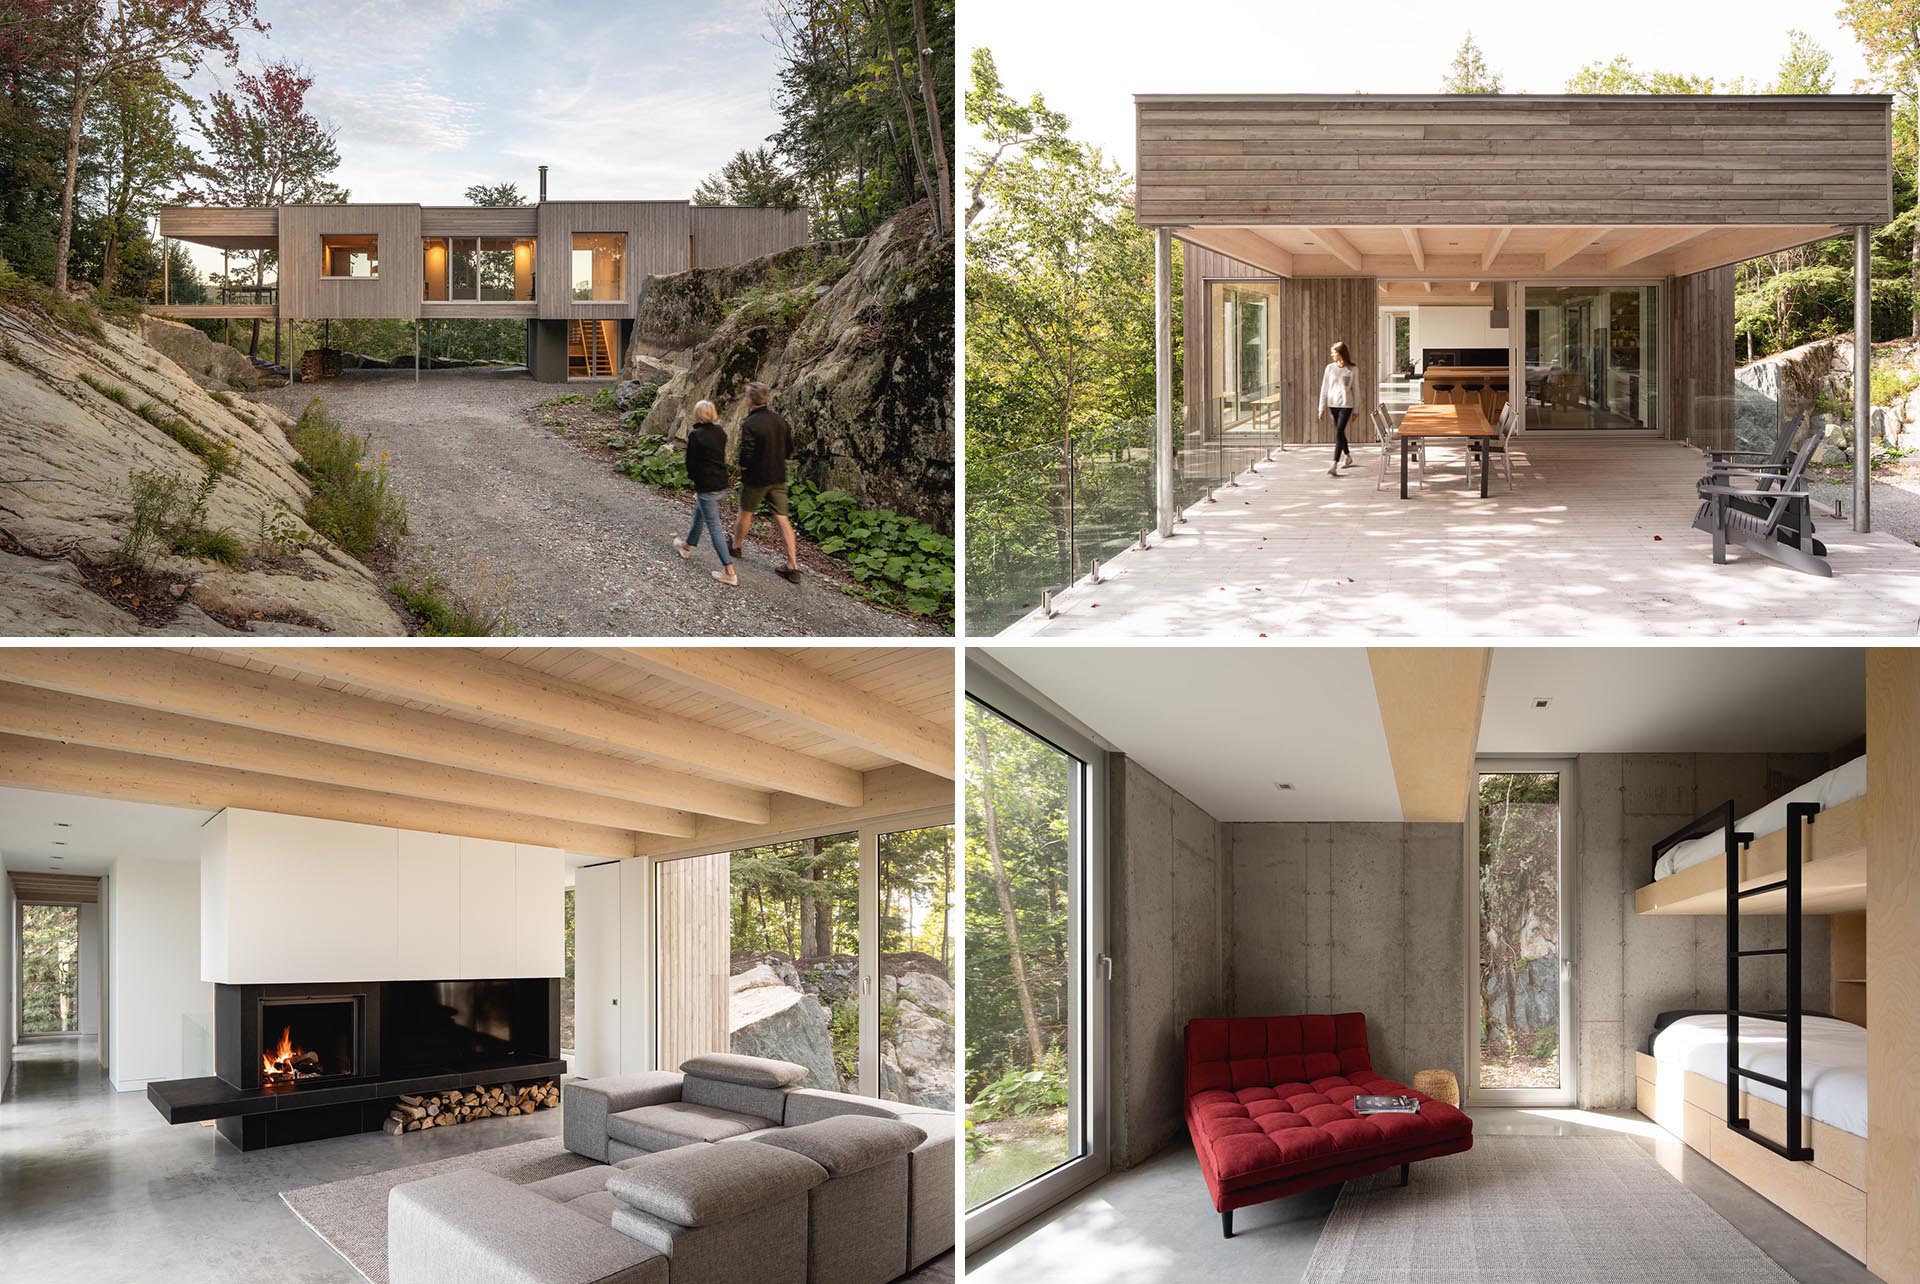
(477, 269)
(599, 267)
(349, 257)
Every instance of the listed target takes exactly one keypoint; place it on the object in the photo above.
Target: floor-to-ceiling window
(1523, 991)
(1244, 342)
(568, 1039)
(918, 915)
(49, 969)
(1592, 357)
(1035, 1054)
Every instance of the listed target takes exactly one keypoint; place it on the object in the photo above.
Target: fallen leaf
(1656, 539)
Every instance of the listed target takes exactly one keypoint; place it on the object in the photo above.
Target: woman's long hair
(1340, 352)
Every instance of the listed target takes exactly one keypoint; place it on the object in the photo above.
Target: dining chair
(1389, 439)
(1502, 443)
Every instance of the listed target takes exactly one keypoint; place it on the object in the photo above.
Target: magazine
(1370, 1105)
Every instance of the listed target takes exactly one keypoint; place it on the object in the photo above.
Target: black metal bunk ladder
(1799, 815)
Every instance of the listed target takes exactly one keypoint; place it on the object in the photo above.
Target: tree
(142, 153)
(494, 195)
(755, 178)
(1469, 73)
(1003, 889)
(1620, 76)
(1806, 67)
(1007, 127)
(265, 148)
(1889, 35)
(87, 44)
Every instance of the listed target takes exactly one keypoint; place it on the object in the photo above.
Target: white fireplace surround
(287, 899)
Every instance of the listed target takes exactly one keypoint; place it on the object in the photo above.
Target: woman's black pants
(1340, 416)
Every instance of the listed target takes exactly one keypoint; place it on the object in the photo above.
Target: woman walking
(707, 469)
(1339, 394)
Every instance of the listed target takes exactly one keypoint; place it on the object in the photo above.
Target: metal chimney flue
(543, 182)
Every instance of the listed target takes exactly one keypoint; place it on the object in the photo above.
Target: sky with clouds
(1091, 70)
(621, 98)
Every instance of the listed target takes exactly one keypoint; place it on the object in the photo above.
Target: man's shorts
(774, 496)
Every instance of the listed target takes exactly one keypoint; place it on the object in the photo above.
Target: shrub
(1021, 1091)
(63, 310)
(652, 461)
(640, 404)
(439, 610)
(221, 546)
(1546, 1044)
(281, 534)
(880, 546)
(603, 400)
(352, 504)
(186, 434)
(565, 399)
(155, 498)
(111, 392)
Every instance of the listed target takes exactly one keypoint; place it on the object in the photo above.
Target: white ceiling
(1222, 725)
(99, 831)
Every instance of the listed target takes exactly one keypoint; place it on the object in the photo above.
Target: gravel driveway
(589, 551)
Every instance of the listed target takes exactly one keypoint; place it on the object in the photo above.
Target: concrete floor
(1594, 538)
(96, 1187)
(1155, 1225)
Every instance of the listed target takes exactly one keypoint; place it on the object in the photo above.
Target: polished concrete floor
(96, 1187)
(1155, 1225)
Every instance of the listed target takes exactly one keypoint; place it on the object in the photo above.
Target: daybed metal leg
(1406, 1172)
(1226, 1224)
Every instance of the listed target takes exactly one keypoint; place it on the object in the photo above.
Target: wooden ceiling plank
(1647, 244)
(480, 684)
(1571, 244)
(888, 791)
(786, 689)
(1431, 700)
(109, 773)
(103, 724)
(54, 889)
(1341, 248)
(247, 696)
(1414, 247)
(1245, 244)
(1495, 244)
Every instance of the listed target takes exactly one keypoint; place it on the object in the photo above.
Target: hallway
(95, 1187)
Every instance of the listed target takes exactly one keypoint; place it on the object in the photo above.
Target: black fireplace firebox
(294, 1062)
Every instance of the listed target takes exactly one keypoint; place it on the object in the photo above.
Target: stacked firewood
(443, 1109)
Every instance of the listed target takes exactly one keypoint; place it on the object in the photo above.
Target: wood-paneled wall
(306, 295)
(1356, 160)
(1198, 265)
(1893, 962)
(479, 220)
(242, 228)
(658, 234)
(724, 234)
(692, 910)
(1700, 359)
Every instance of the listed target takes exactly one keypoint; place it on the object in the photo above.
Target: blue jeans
(706, 513)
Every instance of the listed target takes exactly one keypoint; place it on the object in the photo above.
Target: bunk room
(1443, 964)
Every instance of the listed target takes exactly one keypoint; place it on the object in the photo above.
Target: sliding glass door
(1524, 1039)
(1592, 356)
(1035, 1056)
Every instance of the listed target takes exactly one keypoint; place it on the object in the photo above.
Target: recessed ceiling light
(1284, 786)
(59, 842)
(1541, 702)
(61, 824)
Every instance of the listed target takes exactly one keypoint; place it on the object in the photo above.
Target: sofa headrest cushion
(749, 1072)
(848, 1144)
(707, 1185)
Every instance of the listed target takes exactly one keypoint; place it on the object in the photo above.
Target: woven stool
(1438, 1084)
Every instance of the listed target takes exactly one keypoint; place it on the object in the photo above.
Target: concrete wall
(91, 960)
(1364, 917)
(155, 989)
(10, 936)
(1169, 919)
(1629, 967)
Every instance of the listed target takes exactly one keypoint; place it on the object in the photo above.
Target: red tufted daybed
(1269, 1104)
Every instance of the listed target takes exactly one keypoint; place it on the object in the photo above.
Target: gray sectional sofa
(725, 1172)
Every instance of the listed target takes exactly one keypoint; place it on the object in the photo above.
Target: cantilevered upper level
(1479, 187)
(555, 260)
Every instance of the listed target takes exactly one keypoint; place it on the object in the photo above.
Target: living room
(460, 964)
(1345, 964)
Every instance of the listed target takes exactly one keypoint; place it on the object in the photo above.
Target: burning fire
(287, 1062)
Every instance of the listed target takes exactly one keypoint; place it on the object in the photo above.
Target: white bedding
(1833, 1062)
(1830, 790)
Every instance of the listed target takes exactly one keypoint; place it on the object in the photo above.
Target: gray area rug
(1521, 1210)
(351, 1215)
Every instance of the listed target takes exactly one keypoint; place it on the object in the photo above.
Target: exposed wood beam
(1725, 245)
(1414, 247)
(1495, 244)
(1431, 700)
(1571, 244)
(176, 683)
(1246, 244)
(1647, 244)
(55, 889)
(784, 688)
(1427, 287)
(103, 724)
(1341, 248)
(477, 683)
(108, 773)
(889, 791)
(1473, 287)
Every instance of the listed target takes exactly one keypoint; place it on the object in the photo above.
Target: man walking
(764, 441)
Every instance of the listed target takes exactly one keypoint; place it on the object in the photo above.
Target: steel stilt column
(1862, 376)
(1163, 380)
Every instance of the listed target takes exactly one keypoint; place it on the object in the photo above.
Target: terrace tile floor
(1594, 539)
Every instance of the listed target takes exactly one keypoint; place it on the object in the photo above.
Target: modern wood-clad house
(574, 270)
(1579, 248)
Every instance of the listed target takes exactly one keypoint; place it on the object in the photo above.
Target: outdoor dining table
(1440, 421)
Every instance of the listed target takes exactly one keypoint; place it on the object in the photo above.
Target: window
(567, 985)
(482, 269)
(350, 257)
(49, 969)
(916, 966)
(599, 267)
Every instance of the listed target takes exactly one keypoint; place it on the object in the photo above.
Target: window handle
(1106, 967)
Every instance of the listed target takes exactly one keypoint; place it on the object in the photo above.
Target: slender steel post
(1733, 972)
(1862, 372)
(1797, 818)
(1163, 380)
(416, 344)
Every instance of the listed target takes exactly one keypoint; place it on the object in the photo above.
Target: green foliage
(799, 898)
(567, 986)
(1519, 889)
(112, 392)
(1892, 385)
(154, 498)
(221, 546)
(1546, 1043)
(566, 399)
(63, 310)
(160, 507)
(879, 546)
(640, 405)
(756, 178)
(650, 460)
(280, 533)
(603, 400)
(495, 195)
(351, 504)
(1469, 72)
(49, 969)
(211, 452)
(440, 611)
(1023, 1091)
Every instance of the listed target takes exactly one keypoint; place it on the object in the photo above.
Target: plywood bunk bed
(1778, 1099)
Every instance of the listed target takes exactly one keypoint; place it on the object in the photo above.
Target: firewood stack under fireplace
(458, 1106)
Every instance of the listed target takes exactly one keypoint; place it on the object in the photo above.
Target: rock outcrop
(855, 338)
(770, 1018)
(69, 451)
(1786, 386)
(212, 365)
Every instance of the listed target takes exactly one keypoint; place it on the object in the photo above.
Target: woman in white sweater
(1339, 395)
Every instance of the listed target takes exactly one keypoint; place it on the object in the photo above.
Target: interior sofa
(1269, 1103)
(725, 1172)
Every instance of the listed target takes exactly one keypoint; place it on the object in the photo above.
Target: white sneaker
(1334, 471)
(686, 549)
(729, 577)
